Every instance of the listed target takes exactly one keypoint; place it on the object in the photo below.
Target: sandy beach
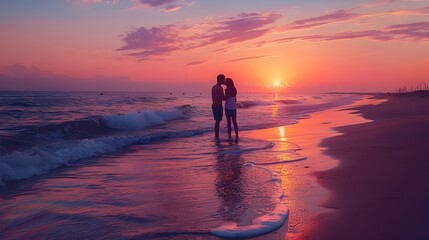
(364, 176)
(305, 197)
(379, 190)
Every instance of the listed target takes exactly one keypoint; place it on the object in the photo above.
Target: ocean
(143, 165)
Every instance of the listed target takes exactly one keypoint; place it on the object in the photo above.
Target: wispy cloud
(148, 42)
(87, 3)
(420, 11)
(155, 3)
(193, 63)
(152, 41)
(244, 58)
(343, 15)
(413, 31)
(222, 49)
(378, 3)
(243, 27)
(418, 31)
(171, 8)
(162, 5)
(337, 16)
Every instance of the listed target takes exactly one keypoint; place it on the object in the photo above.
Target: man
(217, 97)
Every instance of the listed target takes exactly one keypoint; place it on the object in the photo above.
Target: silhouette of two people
(230, 98)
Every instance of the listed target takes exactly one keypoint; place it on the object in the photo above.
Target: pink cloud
(222, 49)
(155, 3)
(164, 5)
(415, 31)
(89, 2)
(378, 3)
(153, 41)
(243, 59)
(337, 16)
(171, 8)
(148, 42)
(418, 31)
(193, 63)
(345, 15)
(245, 26)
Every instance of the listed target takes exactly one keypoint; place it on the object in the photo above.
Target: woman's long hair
(230, 91)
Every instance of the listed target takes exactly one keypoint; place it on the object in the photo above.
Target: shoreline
(379, 190)
(304, 195)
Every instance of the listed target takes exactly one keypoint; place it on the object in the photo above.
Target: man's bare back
(217, 95)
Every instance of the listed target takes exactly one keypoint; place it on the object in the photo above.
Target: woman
(230, 106)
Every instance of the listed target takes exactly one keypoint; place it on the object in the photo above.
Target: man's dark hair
(220, 78)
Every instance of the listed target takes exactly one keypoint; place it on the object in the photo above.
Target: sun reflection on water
(275, 111)
(282, 133)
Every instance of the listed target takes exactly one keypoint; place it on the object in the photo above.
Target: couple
(230, 104)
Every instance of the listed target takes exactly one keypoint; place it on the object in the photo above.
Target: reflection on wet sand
(229, 184)
(250, 195)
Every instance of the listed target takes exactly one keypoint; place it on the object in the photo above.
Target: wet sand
(303, 194)
(380, 189)
(152, 191)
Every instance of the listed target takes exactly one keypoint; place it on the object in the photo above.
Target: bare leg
(216, 129)
(228, 124)
(234, 120)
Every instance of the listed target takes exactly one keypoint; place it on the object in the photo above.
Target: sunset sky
(181, 45)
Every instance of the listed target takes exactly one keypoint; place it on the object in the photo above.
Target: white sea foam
(40, 160)
(263, 145)
(289, 101)
(251, 103)
(142, 119)
(263, 224)
(281, 160)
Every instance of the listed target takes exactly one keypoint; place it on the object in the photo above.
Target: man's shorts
(217, 112)
(231, 113)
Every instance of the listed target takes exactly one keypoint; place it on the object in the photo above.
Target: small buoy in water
(171, 93)
(101, 93)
